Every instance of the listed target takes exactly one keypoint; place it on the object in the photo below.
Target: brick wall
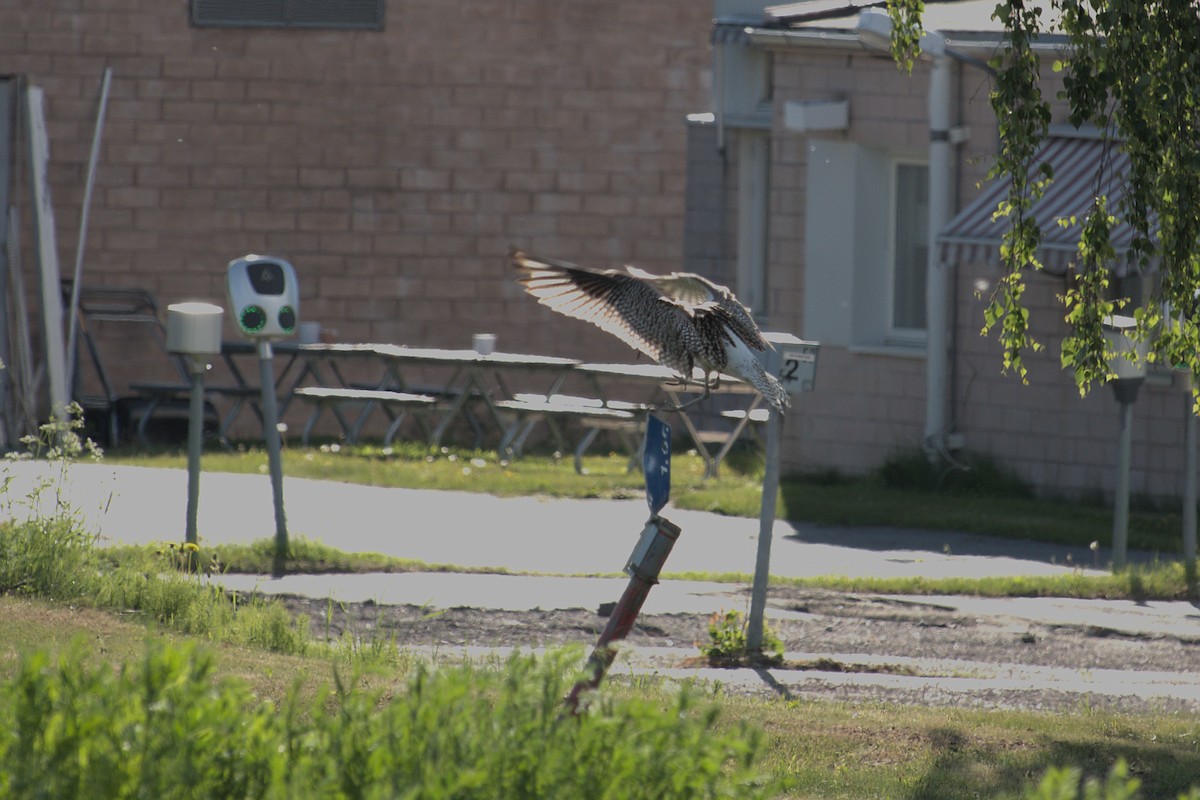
(394, 168)
(710, 222)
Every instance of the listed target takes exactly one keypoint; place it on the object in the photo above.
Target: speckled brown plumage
(681, 320)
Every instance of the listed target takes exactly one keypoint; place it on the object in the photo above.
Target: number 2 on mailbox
(656, 464)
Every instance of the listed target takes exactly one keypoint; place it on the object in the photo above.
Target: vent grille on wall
(353, 14)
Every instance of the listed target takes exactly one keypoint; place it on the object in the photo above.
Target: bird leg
(684, 383)
(690, 403)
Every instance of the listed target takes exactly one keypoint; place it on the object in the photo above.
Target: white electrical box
(806, 116)
(194, 328)
(264, 295)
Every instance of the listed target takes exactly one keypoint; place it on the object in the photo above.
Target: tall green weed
(1067, 783)
(169, 729)
(47, 551)
(47, 554)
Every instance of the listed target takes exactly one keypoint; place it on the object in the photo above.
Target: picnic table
(353, 381)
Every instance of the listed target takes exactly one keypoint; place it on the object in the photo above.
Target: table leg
(531, 423)
(735, 434)
(456, 407)
(710, 470)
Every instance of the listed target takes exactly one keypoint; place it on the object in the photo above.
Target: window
(865, 248)
(362, 14)
(910, 248)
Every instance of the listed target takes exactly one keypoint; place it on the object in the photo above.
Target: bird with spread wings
(681, 320)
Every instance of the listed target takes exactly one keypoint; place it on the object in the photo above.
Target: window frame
(897, 334)
(199, 17)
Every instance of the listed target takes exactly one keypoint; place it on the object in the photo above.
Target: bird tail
(770, 388)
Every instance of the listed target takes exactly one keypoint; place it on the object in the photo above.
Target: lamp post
(1129, 365)
(1189, 481)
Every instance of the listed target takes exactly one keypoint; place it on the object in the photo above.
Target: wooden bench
(757, 416)
(595, 415)
(743, 420)
(445, 397)
(165, 395)
(397, 403)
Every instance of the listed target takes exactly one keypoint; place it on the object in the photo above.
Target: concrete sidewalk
(137, 505)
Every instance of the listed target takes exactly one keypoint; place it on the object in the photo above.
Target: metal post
(8, 413)
(643, 575)
(195, 442)
(271, 435)
(49, 283)
(766, 524)
(81, 244)
(1189, 488)
(941, 193)
(1121, 501)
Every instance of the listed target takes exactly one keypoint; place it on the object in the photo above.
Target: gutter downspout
(941, 194)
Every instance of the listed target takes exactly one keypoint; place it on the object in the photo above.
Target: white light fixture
(1129, 355)
(805, 116)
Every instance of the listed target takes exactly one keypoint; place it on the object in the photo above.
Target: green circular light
(253, 319)
(287, 319)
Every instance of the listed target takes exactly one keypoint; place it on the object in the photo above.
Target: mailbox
(194, 329)
(264, 295)
(792, 360)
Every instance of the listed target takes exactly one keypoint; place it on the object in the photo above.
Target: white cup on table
(309, 332)
(484, 343)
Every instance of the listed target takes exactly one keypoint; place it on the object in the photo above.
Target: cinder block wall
(394, 168)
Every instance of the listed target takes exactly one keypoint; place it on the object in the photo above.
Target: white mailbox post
(794, 362)
(194, 332)
(1189, 474)
(1129, 365)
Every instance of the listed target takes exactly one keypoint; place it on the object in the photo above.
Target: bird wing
(686, 289)
(741, 323)
(628, 308)
(694, 293)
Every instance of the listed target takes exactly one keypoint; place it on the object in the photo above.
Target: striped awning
(1083, 168)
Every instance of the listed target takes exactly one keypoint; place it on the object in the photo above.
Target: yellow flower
(192, 547)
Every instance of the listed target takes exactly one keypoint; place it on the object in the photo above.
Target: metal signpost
(794, 362)
(1128, 364)
(266, 305)
(644, 564)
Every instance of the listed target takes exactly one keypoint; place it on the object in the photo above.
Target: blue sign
(656, 463)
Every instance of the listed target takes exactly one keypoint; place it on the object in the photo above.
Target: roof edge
(982, 46)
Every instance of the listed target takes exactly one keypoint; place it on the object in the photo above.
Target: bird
(681, 320)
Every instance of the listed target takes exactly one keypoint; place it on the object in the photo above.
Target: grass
(171, 726)
(304, 556)
(843, 751)
(60, 587)
(1156, 581)
(814, 749)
